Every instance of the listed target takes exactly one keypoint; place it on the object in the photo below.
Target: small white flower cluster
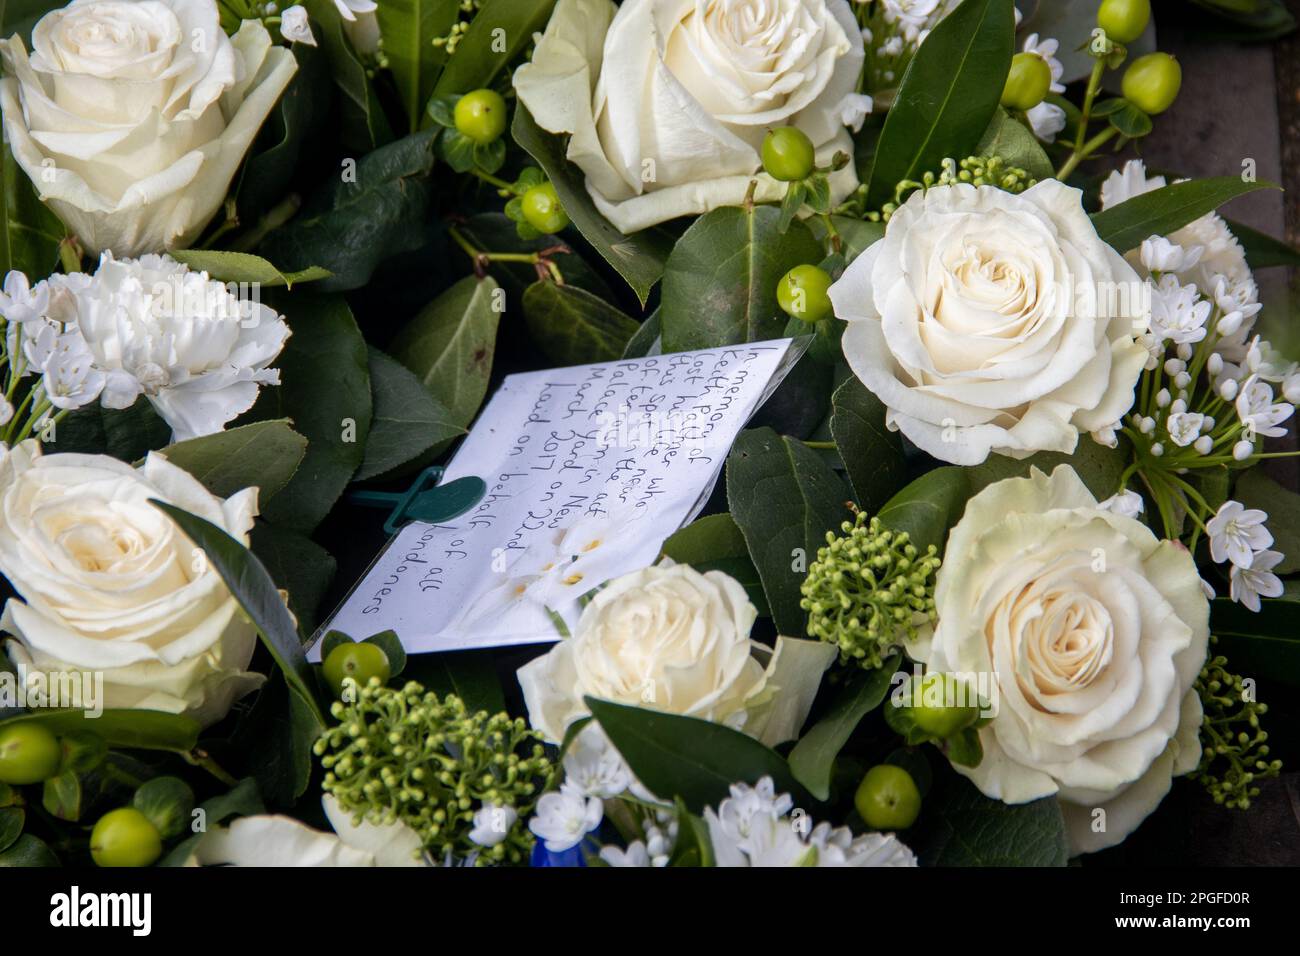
(1207, 398)
(892, 30)
(147, 326)
(1237, 535)
(594, 771)
(756, 826)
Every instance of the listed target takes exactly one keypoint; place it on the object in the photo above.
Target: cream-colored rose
(131, 116)
(667, 101)
(672, 639)
(991, 322)
(109, 584)
(1092, 632)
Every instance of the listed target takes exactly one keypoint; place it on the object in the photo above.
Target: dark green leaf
(363, 123)
(449, 345)
(1130, 121)
(947, 96)
(872, 454)
(929, 506)
(1166, 210)
(28, 850)
(275, 741)
(470, 675)
(127, 434)
(813, 757)
(355, 222)
(325, 391)
(638, 258)
(167, 802)
(61, 796)
(573, 327)
(1259, 644)
(784, 498)
(252, 587)
(388, 642)
(298, 565)
(409, 28)
(856, 235)
(1009, 140)
(264, 454)
(646, 341)
(244, 267)
(965, 828)
(1099, 467)
(30, 241)
(132, 729)
(720, 281)
(407, 419)
(1262, 250)
(11, 826)
(479, 56)
(689, 758)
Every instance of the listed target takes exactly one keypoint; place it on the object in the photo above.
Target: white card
(588, 469)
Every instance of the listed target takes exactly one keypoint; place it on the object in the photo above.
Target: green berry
(28, 754)
(125, 837)
(359, 661)
(931, 711)
(542, 209)
(481, 116)
(1124, 20)
(801, 293)
(1151, 82)
(887, 798)
(1028, 82)
(788, 154)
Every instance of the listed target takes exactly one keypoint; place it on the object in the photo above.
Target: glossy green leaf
(947, 97)
(11, 826)
(363, 124)
(1262, 250)
(325, 391)
(409, 28)
(647, 339)
(1099, 467)
(928, 507)
(167, 802)
(251, 585)
(1012, 142)
(638, 258)
(132, 729)
(962, 827)
(872, 454)
(298, 565)
(28, 850)
(720, 281)
(354, 222)
(573, 327)
(407, 420)
(784, 499)
(470, 675)
(263, 454)
(813, 757)
(30, 240)
(449, 345)
(689, 758)
(244, 267)
(1168, 209)
(1258, 644)
(499, 32)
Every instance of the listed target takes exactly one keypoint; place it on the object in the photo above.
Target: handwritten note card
(588, 470)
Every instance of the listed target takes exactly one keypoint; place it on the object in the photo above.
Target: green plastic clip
(425, 500)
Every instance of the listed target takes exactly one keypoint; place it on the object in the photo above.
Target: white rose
(131, 116)
(991, 322)
(158, 329)
(1092, 632)
(672, 639)
(110, 585)
(667, 101)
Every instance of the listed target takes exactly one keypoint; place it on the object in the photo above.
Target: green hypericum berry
(28, 754)
(788, 154)
(125, 837)
(1028, 82)
(1151, 83)
(801, 293)
(887, 798)
(1124, 20)
(931, 710)
(481, 116)
(360, 661)
(542, 209)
